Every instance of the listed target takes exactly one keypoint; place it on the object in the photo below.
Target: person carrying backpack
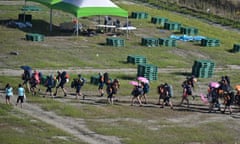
(228, 100)
(110, 91)
(101, 84)
(186, 92)
(167, 96)
(26, 76)
(78, 84)
(63, 79)
(136, 93)
(50, 83)
(146, 88)
(213, 98)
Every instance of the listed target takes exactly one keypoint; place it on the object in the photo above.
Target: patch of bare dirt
(75, 126)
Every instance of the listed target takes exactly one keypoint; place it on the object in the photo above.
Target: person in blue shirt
(9, 93)
(21, 93)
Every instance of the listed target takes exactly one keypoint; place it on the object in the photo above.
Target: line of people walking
(217, 91)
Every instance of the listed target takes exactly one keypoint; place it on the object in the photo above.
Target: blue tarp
(187, 38)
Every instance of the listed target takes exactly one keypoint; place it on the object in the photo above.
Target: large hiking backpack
(65, 76)
(189, 90)
(170, 90)
(106, 77)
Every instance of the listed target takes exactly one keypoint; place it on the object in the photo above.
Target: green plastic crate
(148, 71)
(136, 59)
(117, 42)
(174, 26)
(30, 8)
(236, 48)
(150, 42)
(159, 20)
(139, 15)
(203, 68)
(189, 30)
(34, 37)
(210, 42)
(168, 42)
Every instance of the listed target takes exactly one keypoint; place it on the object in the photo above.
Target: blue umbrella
(26, 68)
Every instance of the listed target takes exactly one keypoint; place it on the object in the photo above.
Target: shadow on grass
(127, 77)
(182, 73)
(232, 51)
(38, 26)
(124, 62)
(197, 44)
(102, 44)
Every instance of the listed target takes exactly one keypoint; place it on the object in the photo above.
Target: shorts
(49, 89)
(61, 84)
(78, 89)
(161, 96)
(8, 97)
(101, 85)
(110, 95)
(166, 99)
(20, 98)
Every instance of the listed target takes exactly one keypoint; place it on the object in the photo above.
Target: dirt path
(74, 126)
(76, 70)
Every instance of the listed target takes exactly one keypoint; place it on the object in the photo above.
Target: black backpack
(189, 90)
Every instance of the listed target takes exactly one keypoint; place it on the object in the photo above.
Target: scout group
(220, 94)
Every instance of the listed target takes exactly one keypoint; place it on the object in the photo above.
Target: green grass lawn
(134, 125)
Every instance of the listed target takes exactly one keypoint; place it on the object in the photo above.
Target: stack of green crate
(203, 68)
(114, 41)
(148, 71)
(189, 30)
(172, 26)
(236, 48)
(94, 80)
(150, 42)
(136, 59)
(210, 42)
(34, 37)
(169, 42)
(159, 20)
(139, 15)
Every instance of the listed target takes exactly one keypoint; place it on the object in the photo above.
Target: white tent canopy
(83, 8)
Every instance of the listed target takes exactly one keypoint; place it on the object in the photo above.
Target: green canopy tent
(48, 3)
(84, 8)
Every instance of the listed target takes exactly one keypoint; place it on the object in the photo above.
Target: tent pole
(77, 27)
(24, 15)
(50, 19)
(127, 27)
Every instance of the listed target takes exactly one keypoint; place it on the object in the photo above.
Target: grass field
(133, 125)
